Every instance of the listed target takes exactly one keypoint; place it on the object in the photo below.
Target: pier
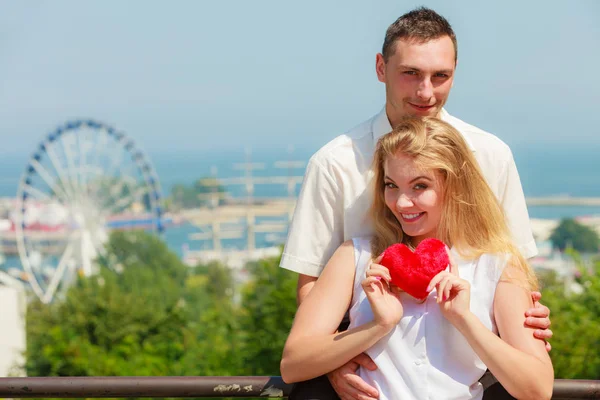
(563, 200)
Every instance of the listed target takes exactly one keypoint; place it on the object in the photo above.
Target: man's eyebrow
(405, 66)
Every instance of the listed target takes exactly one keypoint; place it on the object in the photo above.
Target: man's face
(418, 77)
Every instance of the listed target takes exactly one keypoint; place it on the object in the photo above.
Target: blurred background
(152, 152)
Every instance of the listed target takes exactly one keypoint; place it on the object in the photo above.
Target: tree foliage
(575, 323)
(203, 192)
(269, 305)
(570, 233)
(145, 313)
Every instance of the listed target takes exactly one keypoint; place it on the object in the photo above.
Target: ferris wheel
(84, 179)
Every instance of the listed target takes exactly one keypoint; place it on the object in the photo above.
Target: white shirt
(425, 356)
(334, 200)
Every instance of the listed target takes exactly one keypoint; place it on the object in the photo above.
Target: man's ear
(455, 67)
(380, 67)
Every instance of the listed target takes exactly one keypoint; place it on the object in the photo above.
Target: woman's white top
(425, 357)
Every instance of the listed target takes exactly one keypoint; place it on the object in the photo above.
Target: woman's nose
(404, 201)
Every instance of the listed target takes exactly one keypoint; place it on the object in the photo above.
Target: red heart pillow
(412, 272)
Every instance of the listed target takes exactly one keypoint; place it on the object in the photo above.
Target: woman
(427, 184)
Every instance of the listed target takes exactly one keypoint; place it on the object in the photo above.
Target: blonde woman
(427, 185)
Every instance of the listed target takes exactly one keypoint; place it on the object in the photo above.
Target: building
(12, 322)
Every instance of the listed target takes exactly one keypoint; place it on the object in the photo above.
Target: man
(417, 66)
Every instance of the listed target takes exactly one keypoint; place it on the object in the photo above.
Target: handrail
(144, 386)
(201, 386)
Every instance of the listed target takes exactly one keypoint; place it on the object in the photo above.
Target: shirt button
(418, 362)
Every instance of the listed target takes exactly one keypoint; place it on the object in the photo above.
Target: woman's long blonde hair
(472, 219)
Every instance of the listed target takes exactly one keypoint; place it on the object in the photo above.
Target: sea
(545, 170)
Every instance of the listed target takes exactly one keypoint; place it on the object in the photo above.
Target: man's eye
(410, 72)
(441, 76)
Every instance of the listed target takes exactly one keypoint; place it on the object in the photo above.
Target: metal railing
(211, 386)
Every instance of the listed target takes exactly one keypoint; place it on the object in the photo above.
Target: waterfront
(179, 237)
(544, 181)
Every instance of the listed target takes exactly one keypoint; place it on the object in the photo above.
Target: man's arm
(317, 228)
(512, 199)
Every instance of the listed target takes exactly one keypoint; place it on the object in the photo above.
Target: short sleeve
(316, 230)
(513, 202)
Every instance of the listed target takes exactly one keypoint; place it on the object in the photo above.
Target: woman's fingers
(441, 288)
(448, 287)
(378, 270)
(436, 279)
(373, 282)
(453, 266)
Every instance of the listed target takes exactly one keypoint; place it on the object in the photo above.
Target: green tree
(126, 320)
(215, 348)
(576, 324)
(143, 313)
(219, 280)
(201, 193)
(269, 305)
(571, 233)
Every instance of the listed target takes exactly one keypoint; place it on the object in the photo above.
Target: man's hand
(539, 317)
(348, 385)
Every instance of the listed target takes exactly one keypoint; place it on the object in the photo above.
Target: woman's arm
(518, 360)
(313, 348)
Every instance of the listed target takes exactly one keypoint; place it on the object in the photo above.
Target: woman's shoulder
(495, 258)
(493, 264)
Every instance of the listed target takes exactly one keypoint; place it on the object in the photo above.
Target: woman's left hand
(453, 293)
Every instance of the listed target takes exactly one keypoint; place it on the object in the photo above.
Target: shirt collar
(381, 126)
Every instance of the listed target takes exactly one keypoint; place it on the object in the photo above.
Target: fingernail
(428, 289)
(378, 278)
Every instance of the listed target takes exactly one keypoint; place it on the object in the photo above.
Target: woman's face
(414, 195)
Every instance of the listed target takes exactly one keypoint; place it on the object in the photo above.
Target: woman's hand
(453, 294)
(383, 297)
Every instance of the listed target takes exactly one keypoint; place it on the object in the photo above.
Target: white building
(12, 326)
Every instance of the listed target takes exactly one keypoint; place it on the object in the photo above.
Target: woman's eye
(389, 185)
(420, 186)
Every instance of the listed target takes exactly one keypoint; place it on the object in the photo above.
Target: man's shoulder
(481, 140)
(354, 145)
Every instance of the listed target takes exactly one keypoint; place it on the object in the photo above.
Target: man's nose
(425, 90)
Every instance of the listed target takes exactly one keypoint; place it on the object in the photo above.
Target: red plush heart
(412, 272)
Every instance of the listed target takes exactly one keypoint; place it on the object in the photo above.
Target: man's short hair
(421, 25)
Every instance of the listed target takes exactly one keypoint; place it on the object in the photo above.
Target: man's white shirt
(333, 205)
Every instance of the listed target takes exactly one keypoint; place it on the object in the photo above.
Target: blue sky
(205, 76)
